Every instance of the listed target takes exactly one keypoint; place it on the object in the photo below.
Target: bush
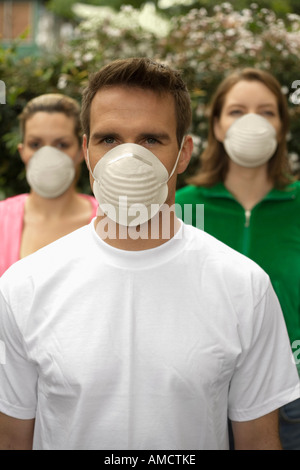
(205, 47)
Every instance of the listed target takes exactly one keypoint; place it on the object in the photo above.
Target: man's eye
(151, 140)
(109, 140)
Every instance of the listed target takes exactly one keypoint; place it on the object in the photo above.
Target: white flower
(62, 82)
(164, 4)
(151, 21)
(230, 32)
(129, 18)
(89, 12)
(88, 57)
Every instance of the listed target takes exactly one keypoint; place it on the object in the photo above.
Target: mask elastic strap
(179, 153)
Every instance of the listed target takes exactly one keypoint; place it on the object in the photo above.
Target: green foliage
(62, 9)
(25, 78)
(205, 46)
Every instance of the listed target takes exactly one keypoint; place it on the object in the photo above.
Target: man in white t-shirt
(138, 331)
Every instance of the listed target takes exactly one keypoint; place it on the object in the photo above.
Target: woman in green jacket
(250, 200)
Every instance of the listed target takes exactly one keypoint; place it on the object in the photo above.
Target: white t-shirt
(114, 349)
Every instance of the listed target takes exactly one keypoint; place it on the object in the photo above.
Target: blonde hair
(52, 103)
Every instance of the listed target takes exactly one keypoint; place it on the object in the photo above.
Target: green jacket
(269, 234)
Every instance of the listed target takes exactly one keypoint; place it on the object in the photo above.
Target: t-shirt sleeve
(18, 375)
(266, 376)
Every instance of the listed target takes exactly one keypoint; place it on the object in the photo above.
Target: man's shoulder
(220, 256)
(51, 258)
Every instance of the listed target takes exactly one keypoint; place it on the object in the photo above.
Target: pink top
(11, 227)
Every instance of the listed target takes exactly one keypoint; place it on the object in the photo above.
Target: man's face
(121, 114)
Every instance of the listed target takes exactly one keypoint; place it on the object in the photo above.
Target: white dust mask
(250, 141)
(50, 172)
(130, 183)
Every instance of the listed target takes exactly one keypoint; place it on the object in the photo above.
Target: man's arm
(257, 434)
(16, 434)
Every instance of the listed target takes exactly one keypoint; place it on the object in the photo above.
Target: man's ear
(84, 146)
(87, 161)
(186, 154)
(85, 151)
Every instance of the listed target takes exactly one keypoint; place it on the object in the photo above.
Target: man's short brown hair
(142, 73)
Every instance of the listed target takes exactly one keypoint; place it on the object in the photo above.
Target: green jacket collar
(220, 191)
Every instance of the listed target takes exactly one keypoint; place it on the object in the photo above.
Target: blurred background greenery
(203, 40)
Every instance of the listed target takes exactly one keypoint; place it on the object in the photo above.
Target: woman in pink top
(52, 154)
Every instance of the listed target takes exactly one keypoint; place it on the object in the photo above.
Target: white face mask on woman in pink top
(50, 172)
